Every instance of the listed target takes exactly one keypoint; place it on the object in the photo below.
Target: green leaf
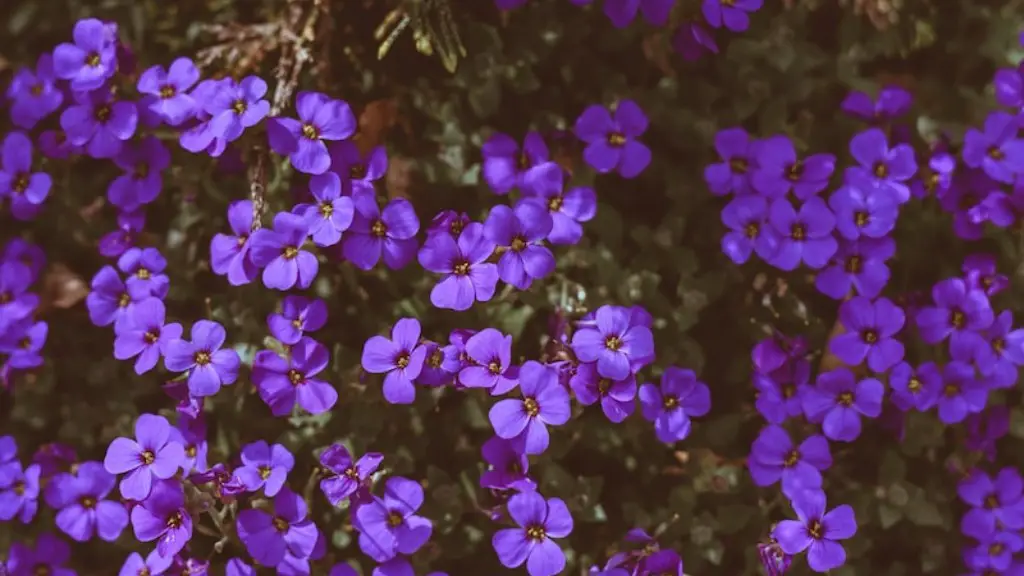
(923, 512)
(888, 516)
(892, 468)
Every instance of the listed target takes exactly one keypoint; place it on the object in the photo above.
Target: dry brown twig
(295, 36)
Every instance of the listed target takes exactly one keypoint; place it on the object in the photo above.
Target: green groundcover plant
(452, 287)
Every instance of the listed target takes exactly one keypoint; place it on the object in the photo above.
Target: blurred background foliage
(654, 242)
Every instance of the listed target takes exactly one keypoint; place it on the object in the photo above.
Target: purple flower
(10, 467)
(282, 383)
(320, 118)
(448, 222)
(355, 169)
(230, 108)
(87, 513)
(863, 209)
(400, 359)
(958, 311)
(129, 224)
(34, 95)
(26, 189)
(680, 397)
(91, 60)
(48, 557)
(163, 517)
(805, 236)
(229, 255)
(612, 139)
(568, 210)
(996, 149)
(191, 434)
(538, 520)
(19, 496)
(524, 420)
(345, 475)
(664, 562)
(16, 302)
(995, 548)
(151, 455)
(859, 265)
(505, 166)
(881, 165)
(838, 401)
(23, 341)
(774, 457)
(817, 531)
(332, 213)
(731, 13)
(298, 315)
(962, 393)
(779, 170)
(617, 397)
(490, 362)
(747, 219)
(892, 102)
(993, 501)
(154, 564)
(916, 388)
(732, 174)
(144, 267)
(999, 351)
(614, 341)
(374, 232)
(269, 537)
(508, 469)
(264, 466)
(467, 277)
(980, 272)
(519, 232)
(99, 122)
(870, 330)
(985, 428)
(390, 525)
(440, 366)
(141, 182)
(165, 91)
(279, 252)
(209, 366)
(773, 559)
(779, 395)
(146, 335)
(622, 12)
(691, 41)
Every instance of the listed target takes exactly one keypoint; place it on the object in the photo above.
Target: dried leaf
(376, 119)
(62, 288)
(399, 177)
